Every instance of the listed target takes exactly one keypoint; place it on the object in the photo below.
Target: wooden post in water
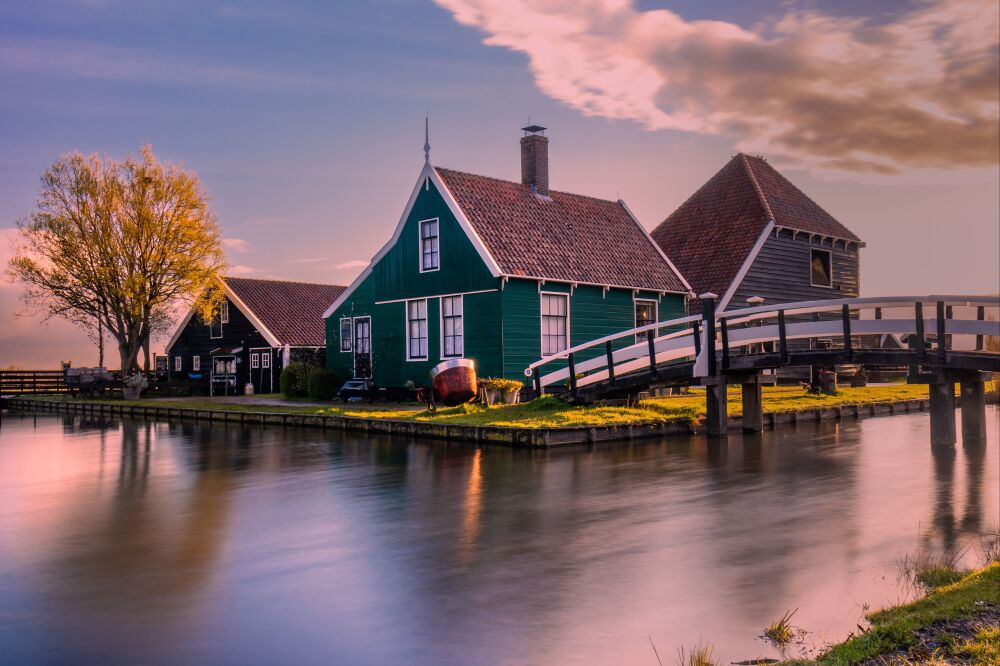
(717, 406)
(942, 395)
(753, 405)
(973, 392)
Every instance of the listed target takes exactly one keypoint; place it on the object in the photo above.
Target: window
(452, 341)
(178, 363)
(555, 323)
(196, 363)
(254, 360)
(224, 312)
(821, 274)
(345, 334)
(215, 327)
(416, 330)
(265, 359)
(429, 251)
(645, 313)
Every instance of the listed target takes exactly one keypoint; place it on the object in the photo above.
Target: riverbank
(957, 623)
(539, 423)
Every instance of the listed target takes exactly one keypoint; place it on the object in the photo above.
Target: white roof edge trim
(463, 221)
(351, 288)
(535, 278)
(238, 302)
(747, 263)
(659, 249)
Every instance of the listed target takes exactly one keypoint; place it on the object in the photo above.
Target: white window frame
(254, 360)
(406, 318)
(541, 328)
(196, 363)
(461, 338)
(349, 347)
(211, 328)
(265, 360)
(420, 243)
(829, 253)
(178, 363)
(224, 312)
(641, 337)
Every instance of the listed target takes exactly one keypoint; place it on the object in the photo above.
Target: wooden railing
(23, 382)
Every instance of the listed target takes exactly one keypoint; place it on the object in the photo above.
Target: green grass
(984, 648)
(893, 628)
(939, 576)
(548, 412)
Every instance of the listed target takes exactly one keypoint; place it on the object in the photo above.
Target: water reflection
(162, 543)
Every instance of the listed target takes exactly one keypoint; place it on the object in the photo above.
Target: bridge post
(716, 395)
(753, 404)
(942, 394)
(973, 392)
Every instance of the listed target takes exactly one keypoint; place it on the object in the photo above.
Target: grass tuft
(939, 576)
(983, 648)
(700, 655)
(781, 632)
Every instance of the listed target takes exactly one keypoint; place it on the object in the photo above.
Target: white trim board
(747, 263)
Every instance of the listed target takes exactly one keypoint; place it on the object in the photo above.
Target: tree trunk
(100, 342)
(145, 353)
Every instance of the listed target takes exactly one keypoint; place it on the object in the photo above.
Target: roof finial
(427, 138)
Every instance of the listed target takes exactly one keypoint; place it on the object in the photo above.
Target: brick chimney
(535, 159)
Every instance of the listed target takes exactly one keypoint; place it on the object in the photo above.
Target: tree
(118, 244)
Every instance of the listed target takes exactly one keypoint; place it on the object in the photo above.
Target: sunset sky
(305, 119)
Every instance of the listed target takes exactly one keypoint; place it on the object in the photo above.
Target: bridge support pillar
(973, 392)
(942, 394)
(753, 400)
(717, 407)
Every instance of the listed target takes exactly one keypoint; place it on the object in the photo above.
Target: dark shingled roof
(710, 235)
(292, 311)
(560, 237)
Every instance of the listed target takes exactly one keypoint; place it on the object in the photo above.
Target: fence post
(696, 332)
(651, 345)
(538, 382)
(919, 321)
(609, 350)
(980, 316)
(708, 316)
(941, 351)
(782, 337)
(572, 374)
(845, 315)
(724, 325)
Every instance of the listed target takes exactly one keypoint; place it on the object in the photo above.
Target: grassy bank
(548, 412)
(955, 623)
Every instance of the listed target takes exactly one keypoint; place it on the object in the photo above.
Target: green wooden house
(499, 272)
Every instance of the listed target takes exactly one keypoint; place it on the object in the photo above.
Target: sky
(304, 120)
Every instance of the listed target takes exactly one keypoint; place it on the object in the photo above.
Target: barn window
(254, 360)
(452, 338)
(224, 312)
(416, 330)
(265, 360)
(645, 313)
(820, 266)
(178, 363)
(555, 323)
(196, 363)
(345, 334)
(429, 248)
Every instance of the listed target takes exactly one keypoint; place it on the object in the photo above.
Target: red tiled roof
(711, 234)
(292, 311)
(560, 237)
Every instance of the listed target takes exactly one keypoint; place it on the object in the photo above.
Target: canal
(134, 542)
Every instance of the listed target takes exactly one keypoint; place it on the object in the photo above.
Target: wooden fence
(23, 382)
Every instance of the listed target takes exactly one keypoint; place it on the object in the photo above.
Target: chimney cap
(533, 129)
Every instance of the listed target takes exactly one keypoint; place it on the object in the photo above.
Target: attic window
(430, 256)
(820, 267)
(224, 312)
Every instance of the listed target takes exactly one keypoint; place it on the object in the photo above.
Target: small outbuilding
(261, 326)
(749, 232)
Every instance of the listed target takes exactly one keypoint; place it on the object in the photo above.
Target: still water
(133, 542)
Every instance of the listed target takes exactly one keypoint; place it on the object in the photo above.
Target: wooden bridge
(941, 339)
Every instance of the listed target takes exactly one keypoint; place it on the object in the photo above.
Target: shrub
(323, 384)
(294, 381)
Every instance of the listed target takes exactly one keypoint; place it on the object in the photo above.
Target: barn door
(363, 347)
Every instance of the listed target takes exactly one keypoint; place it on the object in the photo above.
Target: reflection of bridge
(941, 338)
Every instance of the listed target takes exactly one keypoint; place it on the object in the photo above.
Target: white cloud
(236, 244)
(840, 93)
(354, 263)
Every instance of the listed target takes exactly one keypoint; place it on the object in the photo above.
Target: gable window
(254, 360)
(196, 363)
(820, 267)
(430, 256)
(224, 312)
(178, 363)
(265, 359)
(215, 326)
(555, 323)
(345, 334)
(452, 339)
(645, 314)
(416, 330)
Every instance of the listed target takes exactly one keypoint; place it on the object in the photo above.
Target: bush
(323, 384)
(295, 381)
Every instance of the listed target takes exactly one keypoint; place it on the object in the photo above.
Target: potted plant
(496, 389)
(510, 390)
(133, 386)
(488, 391)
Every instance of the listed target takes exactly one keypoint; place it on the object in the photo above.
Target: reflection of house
(749, 232)
(498, 272)
(262, 325)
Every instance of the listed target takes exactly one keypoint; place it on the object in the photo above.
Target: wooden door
(363, 347)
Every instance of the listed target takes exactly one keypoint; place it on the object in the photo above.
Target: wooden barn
(261, 326)
(499, 272)
(749, 232)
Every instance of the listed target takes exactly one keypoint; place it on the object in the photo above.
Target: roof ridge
(276, 281)
(513, 182)
(756, 186)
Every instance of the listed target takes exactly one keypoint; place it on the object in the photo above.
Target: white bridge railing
(960, 322)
